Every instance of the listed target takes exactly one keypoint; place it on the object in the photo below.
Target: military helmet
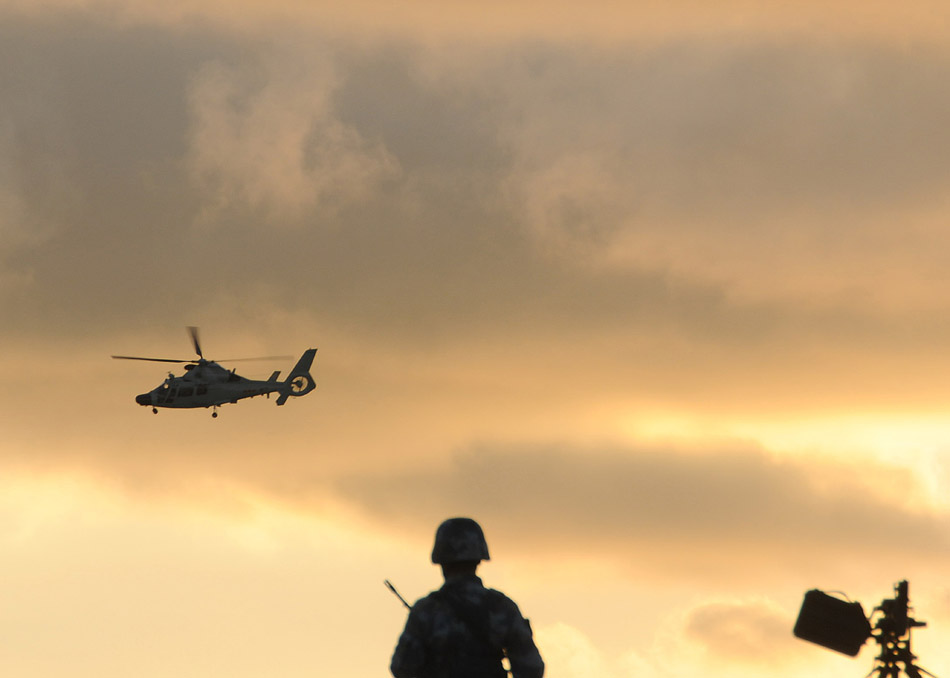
(458, 540)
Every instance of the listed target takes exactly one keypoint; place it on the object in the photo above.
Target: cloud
(416, 191)
(532, 20)
(412, 207)
(659, 509)
(771, 169)
(14, 223)
(513, 225)
(265, 137)
(743, 637)
(95, 124)
(569, 653)
(110, 586)
(747, 632)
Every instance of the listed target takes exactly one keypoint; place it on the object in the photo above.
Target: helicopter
(206, 384)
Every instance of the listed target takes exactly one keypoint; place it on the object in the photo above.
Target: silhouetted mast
(841, 626)
(893, 635)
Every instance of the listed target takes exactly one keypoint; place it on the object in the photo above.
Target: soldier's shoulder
(499, 599)
(429, 599)
(423, 611)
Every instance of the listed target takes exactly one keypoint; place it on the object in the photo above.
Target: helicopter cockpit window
(185, 391)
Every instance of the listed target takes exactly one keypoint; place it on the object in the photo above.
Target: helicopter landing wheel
(214, 415)
(154, 410)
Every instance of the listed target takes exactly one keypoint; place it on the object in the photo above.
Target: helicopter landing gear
(154, 410)
(214, 412)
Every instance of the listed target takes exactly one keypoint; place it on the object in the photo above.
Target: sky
(655, 291)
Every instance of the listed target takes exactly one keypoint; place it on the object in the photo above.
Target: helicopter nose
(144, 399)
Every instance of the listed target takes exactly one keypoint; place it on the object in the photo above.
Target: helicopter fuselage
(183, 392)
(207, 384)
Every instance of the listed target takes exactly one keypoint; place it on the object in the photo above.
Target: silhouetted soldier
(463, 630)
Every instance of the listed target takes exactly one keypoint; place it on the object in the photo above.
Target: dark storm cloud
(723, 506)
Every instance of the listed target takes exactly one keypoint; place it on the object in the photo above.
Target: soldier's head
(459, 545)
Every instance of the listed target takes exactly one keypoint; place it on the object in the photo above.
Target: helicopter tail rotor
(299, 382)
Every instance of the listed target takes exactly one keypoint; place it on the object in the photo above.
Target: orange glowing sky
(655, 292)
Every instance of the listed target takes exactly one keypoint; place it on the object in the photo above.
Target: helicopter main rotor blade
(192, 360)
(193, 331)
(266, 357)
(155, 360)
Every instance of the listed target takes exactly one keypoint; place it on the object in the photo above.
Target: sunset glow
(655, 291)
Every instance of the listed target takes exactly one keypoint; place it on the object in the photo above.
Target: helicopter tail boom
(299, 382)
